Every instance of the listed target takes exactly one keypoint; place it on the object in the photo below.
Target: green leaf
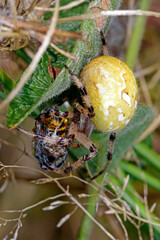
(5, 81)
(127, 137)
(21, 53)
(3, 95)
(31, 96)
(148, 154)
(141, 175)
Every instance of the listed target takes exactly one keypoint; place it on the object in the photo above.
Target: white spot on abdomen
(121, 117)
(128, 120)
(106, 102)
(119, 109)
(135, 106)
(127, 98)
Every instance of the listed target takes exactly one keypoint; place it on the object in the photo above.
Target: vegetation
(34, 203)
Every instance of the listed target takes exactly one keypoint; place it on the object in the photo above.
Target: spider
(109, 92)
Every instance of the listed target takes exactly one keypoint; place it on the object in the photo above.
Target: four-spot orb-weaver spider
(109, 92)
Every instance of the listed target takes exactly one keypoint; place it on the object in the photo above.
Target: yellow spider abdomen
(113, 92)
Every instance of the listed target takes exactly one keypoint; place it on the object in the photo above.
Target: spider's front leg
(86, 142)
(109, 154)
(83, 92)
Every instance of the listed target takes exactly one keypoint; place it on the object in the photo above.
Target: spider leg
(109, 155)
(104, 45)
(38, 136)
(81, 137)
(83, 93)
(59, 113)
(75, 145)
(77, 106)
(81, 109)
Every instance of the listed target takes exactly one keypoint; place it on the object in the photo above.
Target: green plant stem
(136, 36)
(87, 224)
(148, 154)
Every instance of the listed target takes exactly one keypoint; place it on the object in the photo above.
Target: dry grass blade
(68, 6)
(138, 225)
(120, 210)
(32, 29)
(144, 87)
(147, 70)
(65, 218)
(154, 80)
(109, 14)
(55, 204)
(147, 211)
(14, 13)
(36, 59)
(14, 231)
(4, 185)
(113, 206)
(125, 209)
(126, 180)
(84, 210)
(155, 124)
(64, 53)
(19, 225)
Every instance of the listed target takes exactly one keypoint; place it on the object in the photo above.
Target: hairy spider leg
(104, 45)
(87, 101)
(86, 142)
(109, 154)
(83, 92)
(112, 136)
(81, 137)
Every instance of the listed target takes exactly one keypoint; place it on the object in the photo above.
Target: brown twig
(35, 61)
(42, 28)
